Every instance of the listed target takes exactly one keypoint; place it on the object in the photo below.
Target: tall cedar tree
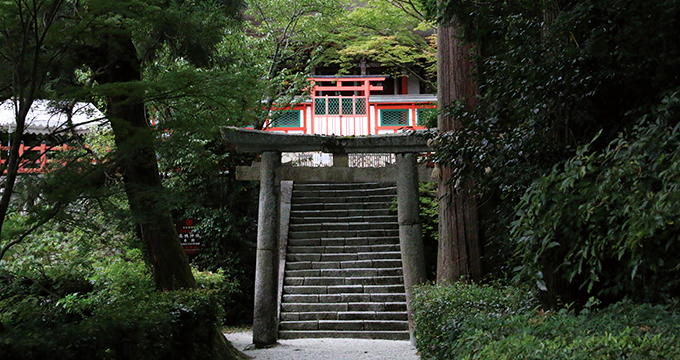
(459, 249)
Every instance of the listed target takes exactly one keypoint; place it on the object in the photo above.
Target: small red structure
(349, 105)
(34, 159)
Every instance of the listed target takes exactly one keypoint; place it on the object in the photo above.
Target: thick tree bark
(459, 254)
(139, 166)
(146, 197)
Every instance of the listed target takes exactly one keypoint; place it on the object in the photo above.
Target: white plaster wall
(413, 86)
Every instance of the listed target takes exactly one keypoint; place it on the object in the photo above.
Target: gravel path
(327, 349)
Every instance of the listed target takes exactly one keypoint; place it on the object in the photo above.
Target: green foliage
(384, 32)
(447, 315)
(610, 218)
(200, 176)
(484, 322)
(229, 294)
(552, 75)
(283, 41)
(429, 219)
(108, 309)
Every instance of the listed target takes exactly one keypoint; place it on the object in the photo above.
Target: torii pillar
(410, 231)
(265, 321)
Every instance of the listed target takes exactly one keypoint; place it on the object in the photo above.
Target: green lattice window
(347, 106)
(320, 106)
(423, 115)
(394, 117)
(360, 106)
(333, 106)
(289, 118)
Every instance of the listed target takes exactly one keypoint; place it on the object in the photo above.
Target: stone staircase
(343, 272)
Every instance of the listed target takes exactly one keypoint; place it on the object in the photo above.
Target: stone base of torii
(270, 145)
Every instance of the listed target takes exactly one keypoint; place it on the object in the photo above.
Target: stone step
(342, 233)
(352, 325)
(345, 315)
(344, 219)
(343, 289)
(320, 257)
(358, 264)
(352, 306)
(344, 272)
(344, 192)
(320, 226)
(342, 249)
(343, 275)
(352, 241)
(330, 280)
(318, 334)
(365, 198)
(337, 298)
(345, 212)
(319, 206)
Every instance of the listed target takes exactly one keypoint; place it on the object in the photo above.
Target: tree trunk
(12, 165)
(146, 196)
(139, 166)
(459, 254)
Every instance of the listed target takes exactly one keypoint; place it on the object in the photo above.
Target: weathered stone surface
(371, 289)
(345, 289)
(332, 174)
(391, 315)
(388, 335)
(379, 255)
(303, 325)
(331, 298)
(326, 264)
(302, 298)
(294, 281)
(385, 325)
(350, 272)
(319, 315)
(324, 281)
(387, 263)
(304, 289)
(357, 280)
(366, 306)
(302, 273)
(265, 313)
(303, 307)
(259, 141)
(357, 264)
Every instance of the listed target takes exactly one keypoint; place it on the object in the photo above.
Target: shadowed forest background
(567, 142)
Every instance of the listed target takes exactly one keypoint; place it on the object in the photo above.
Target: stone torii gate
(270, 145)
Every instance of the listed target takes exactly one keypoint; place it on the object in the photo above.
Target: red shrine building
(356, 105)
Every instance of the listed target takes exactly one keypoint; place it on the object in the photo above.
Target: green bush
(446, 315)
(609, 219)
(498, 322)
(227, 292)
(110, 312)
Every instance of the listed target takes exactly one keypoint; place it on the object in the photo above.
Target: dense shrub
(487, 322)
(445, 316)
(108, 311)
(609, 220)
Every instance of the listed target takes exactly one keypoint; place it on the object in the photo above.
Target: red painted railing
(30, 163)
